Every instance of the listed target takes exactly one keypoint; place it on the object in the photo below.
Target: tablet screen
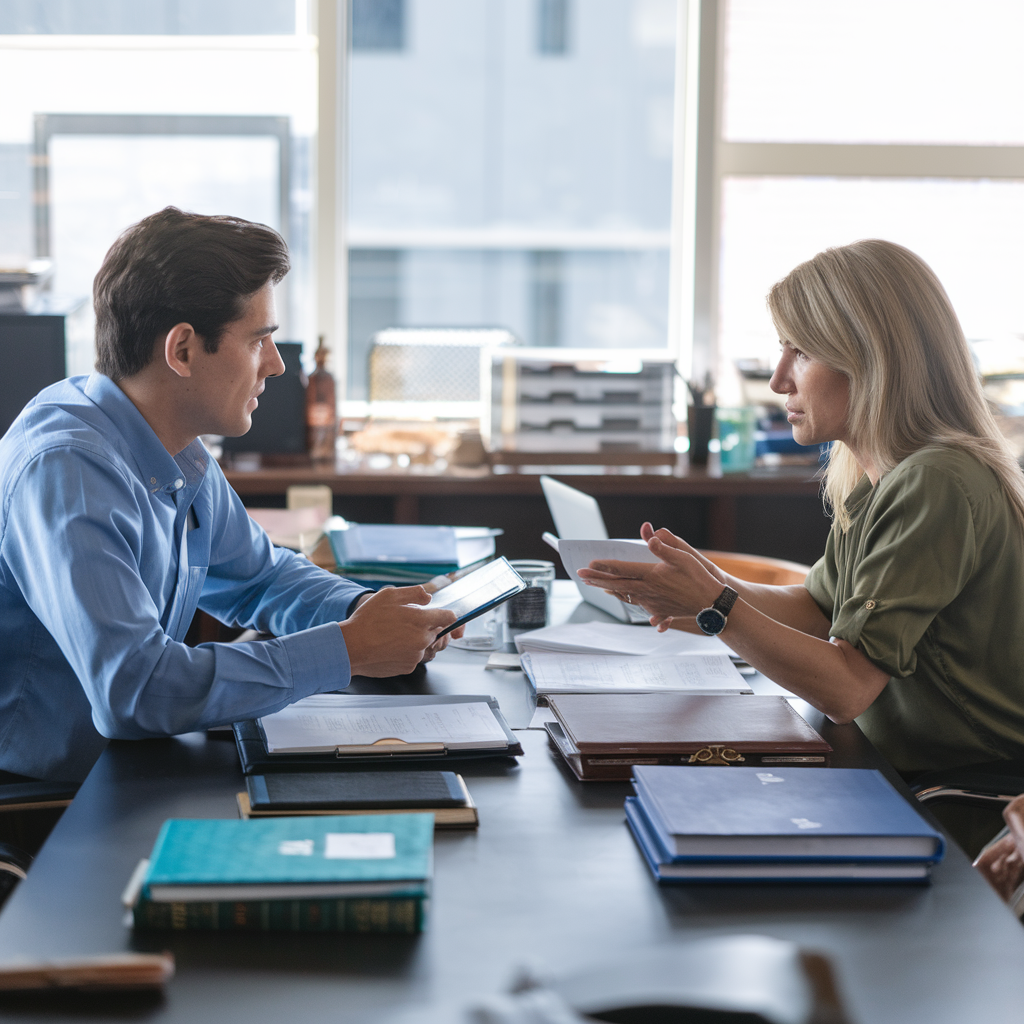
(478, 591)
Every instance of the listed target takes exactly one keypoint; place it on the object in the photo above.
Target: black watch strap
(725, 600)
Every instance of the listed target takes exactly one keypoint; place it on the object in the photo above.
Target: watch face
(711, 620)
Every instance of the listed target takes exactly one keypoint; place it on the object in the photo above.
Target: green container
(736, 437)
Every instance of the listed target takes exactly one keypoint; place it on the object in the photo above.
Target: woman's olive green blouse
(928, 582)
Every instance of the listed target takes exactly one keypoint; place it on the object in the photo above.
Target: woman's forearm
(792, 606)
(833, 676)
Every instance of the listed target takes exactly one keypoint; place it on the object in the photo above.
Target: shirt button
(869, 605)
(178, 484)
(152, 479)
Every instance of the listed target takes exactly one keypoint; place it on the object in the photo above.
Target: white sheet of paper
(602, 673)
(327, 720)
(616, 638)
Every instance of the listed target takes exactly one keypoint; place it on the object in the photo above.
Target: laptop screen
(576, 515)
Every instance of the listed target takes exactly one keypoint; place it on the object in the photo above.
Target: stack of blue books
(389, 553)
(788, 825)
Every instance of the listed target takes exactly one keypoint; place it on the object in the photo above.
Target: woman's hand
(680, 584)
(1002, 863)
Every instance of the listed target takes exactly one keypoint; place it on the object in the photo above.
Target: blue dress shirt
(107, 546)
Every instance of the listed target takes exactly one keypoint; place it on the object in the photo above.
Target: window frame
(718, 159)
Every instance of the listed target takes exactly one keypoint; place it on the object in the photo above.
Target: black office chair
(28, 811)
(969, 800)
(14, 865)
(993, 784)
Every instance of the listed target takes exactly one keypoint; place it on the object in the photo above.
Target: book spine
(403, 915)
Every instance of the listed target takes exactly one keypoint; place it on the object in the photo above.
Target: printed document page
(601, 673)
(578, 554)
(324, 722)
(617, 638)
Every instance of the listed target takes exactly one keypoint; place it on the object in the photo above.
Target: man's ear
(179, 348)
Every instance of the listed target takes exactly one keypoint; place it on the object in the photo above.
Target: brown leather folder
(603, 735)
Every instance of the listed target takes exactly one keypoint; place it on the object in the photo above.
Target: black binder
(252, 743)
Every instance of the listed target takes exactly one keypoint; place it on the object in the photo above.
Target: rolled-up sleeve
(917, 552)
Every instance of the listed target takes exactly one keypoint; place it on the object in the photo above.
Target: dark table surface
(552, 879)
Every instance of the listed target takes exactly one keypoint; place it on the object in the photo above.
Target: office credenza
(777, 513)
(551, 878)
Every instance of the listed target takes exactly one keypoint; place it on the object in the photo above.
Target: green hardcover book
(397, 914)
(352, 872)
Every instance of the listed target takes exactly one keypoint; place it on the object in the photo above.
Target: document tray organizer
(256, 760)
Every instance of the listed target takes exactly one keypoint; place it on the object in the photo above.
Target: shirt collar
(158, 470)
(859, 494)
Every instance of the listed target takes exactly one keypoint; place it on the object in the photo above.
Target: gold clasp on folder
(715, 753)
(390, 745)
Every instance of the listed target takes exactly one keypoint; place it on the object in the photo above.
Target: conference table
(551, 881)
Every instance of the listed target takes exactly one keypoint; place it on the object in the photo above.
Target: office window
(378, 24)
(832, 129)
(131, 107)
(553, 26)
(144, 17)
(373, 304)
(518, 191)
(547, 285)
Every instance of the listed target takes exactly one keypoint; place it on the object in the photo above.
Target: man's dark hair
(174, 267)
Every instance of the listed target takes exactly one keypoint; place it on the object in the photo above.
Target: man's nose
(272, 362)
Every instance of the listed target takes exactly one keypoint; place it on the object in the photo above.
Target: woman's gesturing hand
(680, 584)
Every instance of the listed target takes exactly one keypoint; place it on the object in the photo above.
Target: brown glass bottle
(321, 408)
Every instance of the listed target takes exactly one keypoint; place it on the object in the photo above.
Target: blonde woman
(912, 622)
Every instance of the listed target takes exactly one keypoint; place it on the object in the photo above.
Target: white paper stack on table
(602, 657)
(329, 721)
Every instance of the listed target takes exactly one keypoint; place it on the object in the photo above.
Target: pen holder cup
(529, 609)
(700, 423)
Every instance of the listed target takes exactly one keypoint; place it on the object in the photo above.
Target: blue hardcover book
(667, 870)
(755, 814)
(404, 549)
(380, 855)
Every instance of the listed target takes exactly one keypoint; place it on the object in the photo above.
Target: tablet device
(478, 591)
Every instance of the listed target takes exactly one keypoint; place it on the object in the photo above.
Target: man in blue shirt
(116, 524)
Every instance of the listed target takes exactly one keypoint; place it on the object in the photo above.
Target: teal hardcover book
(378, 855)
(407, 551)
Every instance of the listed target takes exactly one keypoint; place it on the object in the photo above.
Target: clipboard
(256, 760)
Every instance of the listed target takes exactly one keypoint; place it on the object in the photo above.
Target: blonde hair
(875, 312)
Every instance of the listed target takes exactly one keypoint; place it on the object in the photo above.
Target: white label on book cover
(328, 720)
(603, 673)
(295, 847)
(360, 845)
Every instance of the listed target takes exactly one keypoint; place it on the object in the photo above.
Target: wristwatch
(712, 620)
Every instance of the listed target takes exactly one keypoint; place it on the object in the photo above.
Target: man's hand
(441, 643)
(390, 632)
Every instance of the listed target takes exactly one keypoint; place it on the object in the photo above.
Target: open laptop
(577, 517)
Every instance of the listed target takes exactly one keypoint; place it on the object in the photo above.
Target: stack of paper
(297, 528)
(405, 555)
(333, 722)
(784, 824)
(612, 638)
(610, 673)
